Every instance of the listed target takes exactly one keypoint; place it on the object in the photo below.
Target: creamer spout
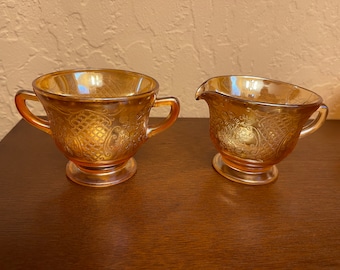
(206, 91)
(199, 92)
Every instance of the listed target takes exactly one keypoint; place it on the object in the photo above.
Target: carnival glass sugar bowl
(256, 122)
(98, 119)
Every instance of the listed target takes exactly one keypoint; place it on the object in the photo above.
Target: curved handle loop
(316, 123)
(169, 120)
(20, 102)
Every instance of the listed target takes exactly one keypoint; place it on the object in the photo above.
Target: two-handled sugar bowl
(98, 118)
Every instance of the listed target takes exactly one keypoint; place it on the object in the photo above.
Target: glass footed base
(244, 177)
(98, 177)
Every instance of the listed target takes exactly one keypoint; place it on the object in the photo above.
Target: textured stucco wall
(181, 43)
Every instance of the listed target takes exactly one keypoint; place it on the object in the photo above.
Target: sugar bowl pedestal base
(101, 177)
(249, 178)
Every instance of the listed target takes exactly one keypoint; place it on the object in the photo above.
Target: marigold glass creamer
(256, 122)
(98, 118)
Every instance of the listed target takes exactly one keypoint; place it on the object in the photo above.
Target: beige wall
(181, 43)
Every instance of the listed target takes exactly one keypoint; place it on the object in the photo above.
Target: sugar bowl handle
(316, 123)
(173, 102)
(20, 101)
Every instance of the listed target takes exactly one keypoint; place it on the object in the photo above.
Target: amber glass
(98, 119)
(256, 122)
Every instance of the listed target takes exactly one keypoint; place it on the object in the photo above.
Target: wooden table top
(177, 212)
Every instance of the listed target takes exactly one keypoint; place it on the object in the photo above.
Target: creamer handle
(316, 123)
